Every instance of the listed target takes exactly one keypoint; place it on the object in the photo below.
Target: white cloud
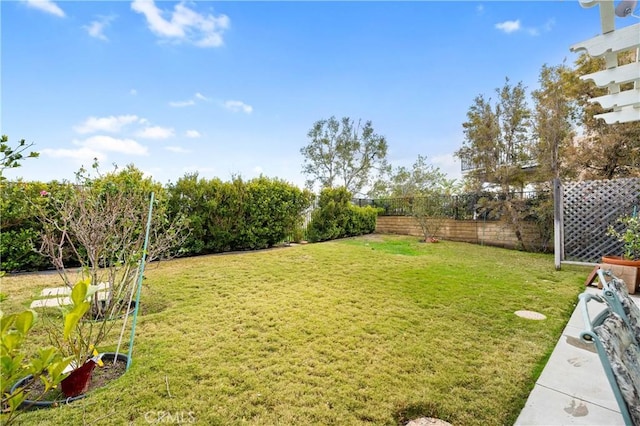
(111, 124)
(183, 24)
(198, 96)
(480, 9)
(102, 143)
(192, 134)
(156, 132)
(82, 155)
(513, 26)
(508, 26)
(47, 6)
(238, 106)
(133, 92)
(177, 149)
(96, 28)
(182, 104)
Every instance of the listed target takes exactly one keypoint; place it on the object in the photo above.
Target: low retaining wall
(493, 233)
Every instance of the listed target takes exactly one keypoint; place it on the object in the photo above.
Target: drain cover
(428, 421)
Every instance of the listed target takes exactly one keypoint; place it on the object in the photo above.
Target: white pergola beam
(624, 115)
(628, 97)
(613, 41)
(619, 75)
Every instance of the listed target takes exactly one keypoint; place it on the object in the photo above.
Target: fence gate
(588, 208)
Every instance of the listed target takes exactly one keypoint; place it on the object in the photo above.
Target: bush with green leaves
(20, 228)
(337, 217)
(236, 215)
(628, 233)
(46, 367)
(273, 210)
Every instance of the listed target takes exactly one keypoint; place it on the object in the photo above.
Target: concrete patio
(573, 388)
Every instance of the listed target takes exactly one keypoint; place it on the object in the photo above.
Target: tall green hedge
(236, 215)
(337, 217)
(221, 216)
(20, 227)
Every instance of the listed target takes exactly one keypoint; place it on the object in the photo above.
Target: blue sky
(228, 88)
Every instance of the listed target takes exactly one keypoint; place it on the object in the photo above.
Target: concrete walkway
(573, 389)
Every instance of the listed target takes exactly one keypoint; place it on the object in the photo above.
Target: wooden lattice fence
(589, 207)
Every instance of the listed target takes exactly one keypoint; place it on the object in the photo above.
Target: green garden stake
(139, 284)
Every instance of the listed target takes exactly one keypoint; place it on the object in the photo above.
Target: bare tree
(101, 224)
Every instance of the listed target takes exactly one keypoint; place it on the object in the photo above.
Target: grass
(377, 329)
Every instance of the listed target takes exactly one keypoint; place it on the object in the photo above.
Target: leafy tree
(553, 119)
(11, 157)
(425, 190)
(497, 138)
(498, 144)
(419, 180)
(343, 153)
(602, 151)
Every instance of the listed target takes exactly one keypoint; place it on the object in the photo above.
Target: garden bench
(615, 333)
(59, 296)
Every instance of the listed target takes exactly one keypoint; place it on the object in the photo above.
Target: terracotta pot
(618, 260)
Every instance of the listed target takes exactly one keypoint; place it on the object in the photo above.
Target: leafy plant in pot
(76, 341)
(45, 369)
(629, 236)
(73, 355)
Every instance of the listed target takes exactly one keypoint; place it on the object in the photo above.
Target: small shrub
(336, 217)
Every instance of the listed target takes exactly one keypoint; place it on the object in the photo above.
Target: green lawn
(377, 329)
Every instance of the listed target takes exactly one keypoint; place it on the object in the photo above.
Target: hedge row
(236, 215)
(220, 216)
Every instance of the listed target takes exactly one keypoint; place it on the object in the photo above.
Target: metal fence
(460, 207)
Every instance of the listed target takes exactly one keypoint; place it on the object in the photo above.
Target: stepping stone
(530, 315)
(58, 296)
(56, 291)
(51, 303)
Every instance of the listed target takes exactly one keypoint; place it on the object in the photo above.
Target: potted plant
(629, 236)
(74, 342)
(45, 369)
